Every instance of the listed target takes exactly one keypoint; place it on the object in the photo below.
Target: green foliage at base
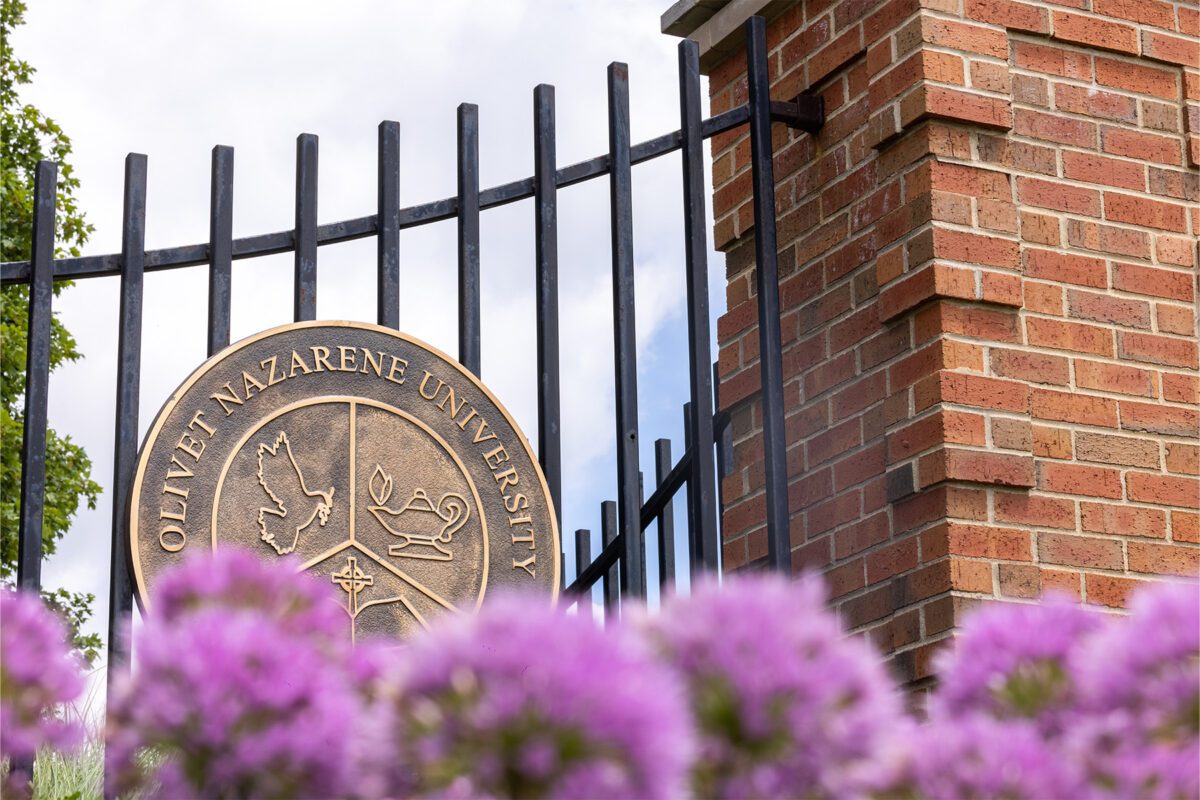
(75, 776)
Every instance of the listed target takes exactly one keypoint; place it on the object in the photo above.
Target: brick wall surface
(988, 290)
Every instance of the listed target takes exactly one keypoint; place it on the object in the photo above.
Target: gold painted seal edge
(140, 592)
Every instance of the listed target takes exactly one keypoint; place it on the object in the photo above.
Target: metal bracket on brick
(806, 112)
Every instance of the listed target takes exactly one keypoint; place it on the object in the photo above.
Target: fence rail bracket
(806, 112)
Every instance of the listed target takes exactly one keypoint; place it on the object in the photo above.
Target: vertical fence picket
(612, 577)
(767, 284)
(633, 558)
(306, 228)
(583, 557)
(37, 379)
(129, 371)
(388, 237)
(694, 556)
(220, 248)
(666, 518)
(724, 439)
(702, 483)
(468, 237)
(545, 200)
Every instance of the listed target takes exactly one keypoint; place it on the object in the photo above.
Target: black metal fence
(621, 564)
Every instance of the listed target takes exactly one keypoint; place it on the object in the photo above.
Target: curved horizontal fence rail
(269, 244)
(795, 114)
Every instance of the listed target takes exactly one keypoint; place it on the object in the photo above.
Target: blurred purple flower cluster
(525, 701)
(246, 686)
(783, 701)
(1034, 697)
(38, 673)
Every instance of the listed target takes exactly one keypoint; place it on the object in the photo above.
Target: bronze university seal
(357, 454)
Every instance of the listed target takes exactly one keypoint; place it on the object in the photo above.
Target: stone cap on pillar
(716, 25)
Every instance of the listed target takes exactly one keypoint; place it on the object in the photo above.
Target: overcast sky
(172, 79)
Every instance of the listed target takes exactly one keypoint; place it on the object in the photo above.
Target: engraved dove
(281, 478)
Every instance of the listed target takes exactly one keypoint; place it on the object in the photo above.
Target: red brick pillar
(988, 286)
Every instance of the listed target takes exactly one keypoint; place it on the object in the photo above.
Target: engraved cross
(352, 580)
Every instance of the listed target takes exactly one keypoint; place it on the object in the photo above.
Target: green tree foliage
(26, 137)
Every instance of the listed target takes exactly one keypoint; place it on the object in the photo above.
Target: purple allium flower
(786, 704)
(1139, 677)
(973, 756)
(38, 672)
(522, 700)
(235, 579)
(1012, 661)
(237, 697)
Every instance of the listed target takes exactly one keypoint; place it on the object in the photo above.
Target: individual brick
(1123, 520)
(1106, 308)
(892, 559)
(1093, 102)
(1114, 378)
(1123, 450)
(1089, 552)
(972, 248)
(1164, 490)
(1020, 580)
(1174, 49)
(1094, 168)
(964, 37)
(1181, 388)
(1183, 458)
(1057, 476)
(976, 466)
(1138, 78)
(1154, 349)
(986, 541)
(929, 100)
(1063, 581)
(1108, 239)
(1109, 590)
(1185, 526)
(971, 576)
(1055, 128)
(1065, 268)
(1154, 418)
(1040, 228)
(1145, 212)
(1174, 250)
(1028, 17)
(1168, 283)
(1038, 510)
(979, 391)
(1057, 196)
(1043, 298)
(1012, 434)
(1072, 336)
(1147, 12)
(1141, 146)
(1048, 58)
(1164, 559)
(1175, 319)
(1096, 32)
(1029, 366)
(1051, 442)
(1081, 409)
